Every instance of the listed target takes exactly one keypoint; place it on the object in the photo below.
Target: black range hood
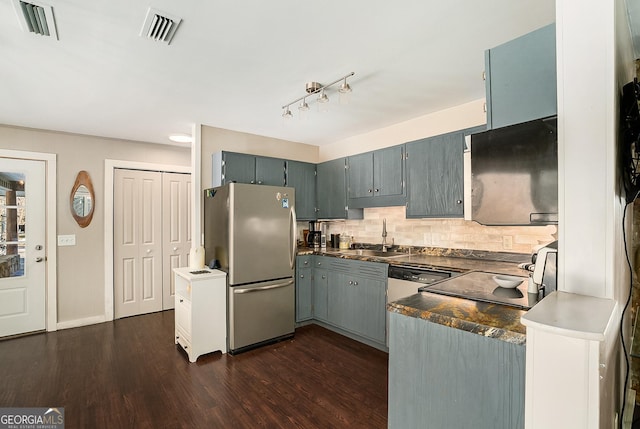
(514, 174)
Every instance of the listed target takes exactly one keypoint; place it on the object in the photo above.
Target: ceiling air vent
(159, 26)
(36, 17)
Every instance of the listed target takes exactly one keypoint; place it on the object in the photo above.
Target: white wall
(456, 118)
(81, 268)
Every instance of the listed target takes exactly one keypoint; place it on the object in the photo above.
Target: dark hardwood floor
(129, 374)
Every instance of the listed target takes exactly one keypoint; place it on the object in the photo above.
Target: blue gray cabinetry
(435, 176)
(304, 291)
(243, 168)
(332, 192)
(443, 377)
(346, 295)
(521, 79)
(302, 177)
(376, 179)
(357, 297)
(320, 288)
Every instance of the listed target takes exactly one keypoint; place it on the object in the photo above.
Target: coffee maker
(544, 269)
(313, 239)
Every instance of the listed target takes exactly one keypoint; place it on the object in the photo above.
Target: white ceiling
(233, 64)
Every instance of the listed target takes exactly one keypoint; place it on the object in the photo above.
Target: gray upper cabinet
(243, 168)
(270, 171)
(302, 177)
(521, 79)
(435, 176)
(376, 179)
(332, 191)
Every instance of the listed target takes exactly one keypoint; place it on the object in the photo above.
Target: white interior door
(137, 205)
(22, 246)
(176, 219)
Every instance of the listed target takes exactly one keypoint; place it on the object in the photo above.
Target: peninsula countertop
(497, 321)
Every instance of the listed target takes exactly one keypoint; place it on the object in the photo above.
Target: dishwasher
(406, 280)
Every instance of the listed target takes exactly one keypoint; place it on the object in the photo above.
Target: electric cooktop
(480, 286)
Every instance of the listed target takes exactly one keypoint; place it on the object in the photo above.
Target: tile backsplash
(449, 233)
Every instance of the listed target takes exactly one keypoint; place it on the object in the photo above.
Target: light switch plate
(67, 240)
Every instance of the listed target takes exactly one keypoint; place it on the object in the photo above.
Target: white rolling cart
(201, 311)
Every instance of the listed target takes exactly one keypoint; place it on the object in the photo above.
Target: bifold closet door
(176, 219)
(138, 242)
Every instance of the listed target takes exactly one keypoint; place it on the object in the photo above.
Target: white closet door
(137, 242)
(176, 219)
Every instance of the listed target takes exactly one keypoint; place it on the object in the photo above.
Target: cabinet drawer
(361, 269)
(304, 261)
(184, 340)
(183, 315)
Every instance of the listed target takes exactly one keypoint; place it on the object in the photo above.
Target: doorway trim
(109, 168)
(51, 285)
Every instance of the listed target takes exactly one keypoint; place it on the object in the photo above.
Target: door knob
(175, 249)
(39, 259)
(39, 247)
(148, 250)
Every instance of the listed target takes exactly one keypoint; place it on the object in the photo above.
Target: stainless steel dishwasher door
(397, 289)
(260, 312)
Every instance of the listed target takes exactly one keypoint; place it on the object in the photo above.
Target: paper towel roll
(196, 258)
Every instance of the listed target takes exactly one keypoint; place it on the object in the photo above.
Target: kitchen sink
(371, 252)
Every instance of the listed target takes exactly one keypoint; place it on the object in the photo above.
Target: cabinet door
(388, 171)
(521, 79)
(320, 294)
(332, 194)
(269, 171)
(435, 176)
(239, 167)
(369, 303)
(360, 175)
(302, 177)
(303, 293)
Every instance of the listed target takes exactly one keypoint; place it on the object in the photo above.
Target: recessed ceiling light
(180, 138)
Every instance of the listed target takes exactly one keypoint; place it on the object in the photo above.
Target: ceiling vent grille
(35, 17)
(159, 26)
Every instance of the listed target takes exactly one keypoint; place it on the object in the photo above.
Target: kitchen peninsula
(445, 353)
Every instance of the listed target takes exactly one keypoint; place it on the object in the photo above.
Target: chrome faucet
(384, 235)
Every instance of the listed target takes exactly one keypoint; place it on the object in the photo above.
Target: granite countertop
(497, 321)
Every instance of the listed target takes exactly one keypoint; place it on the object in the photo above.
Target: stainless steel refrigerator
(250, 230)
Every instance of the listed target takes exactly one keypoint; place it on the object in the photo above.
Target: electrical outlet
(67, 240)
(507, 242)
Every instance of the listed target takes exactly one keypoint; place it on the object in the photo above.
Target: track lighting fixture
(312, 88)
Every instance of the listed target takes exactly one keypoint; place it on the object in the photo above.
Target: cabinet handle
(355, 283)
(319, 263)
(377, 190)
(306, 262)
(259, 182)
(350, 282)
(252, 182)
(459, 202)
(301, 276)
(175, 248)
(324, 277)
(369, 190)
(181, 300)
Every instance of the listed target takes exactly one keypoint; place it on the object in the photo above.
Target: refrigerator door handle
(294, 244)
(261, 288)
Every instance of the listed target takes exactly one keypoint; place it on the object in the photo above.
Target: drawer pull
(181, 300)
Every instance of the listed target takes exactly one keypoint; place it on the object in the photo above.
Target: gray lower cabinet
(320, 288)
(442, 377)
(347, 294)
(435, 176)
(357, 297)
(302, 177)
(332, 192)
(521, 79)
(304, 290)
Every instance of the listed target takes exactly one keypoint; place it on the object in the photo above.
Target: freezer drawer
(260, 312)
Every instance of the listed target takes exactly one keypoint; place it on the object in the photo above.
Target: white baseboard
(76, 323)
